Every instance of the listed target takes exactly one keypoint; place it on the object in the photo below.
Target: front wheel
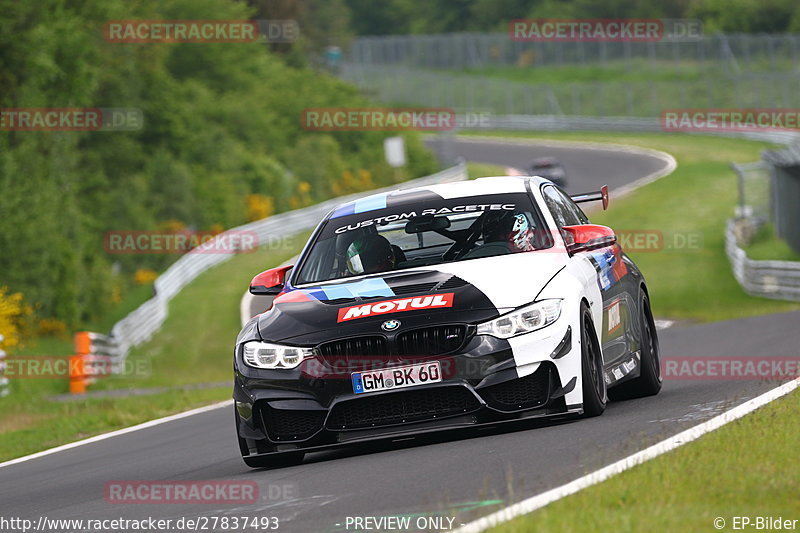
(593, 378)
(649, 381)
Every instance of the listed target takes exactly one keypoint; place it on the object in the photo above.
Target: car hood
(469, 292)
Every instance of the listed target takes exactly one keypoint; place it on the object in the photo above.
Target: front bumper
(488, 381)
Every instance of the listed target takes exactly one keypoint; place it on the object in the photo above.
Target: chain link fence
(755, 196)
(493, 73)
(626, 98)
(733, 53)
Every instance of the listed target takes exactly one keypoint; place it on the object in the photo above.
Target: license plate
(396, 378)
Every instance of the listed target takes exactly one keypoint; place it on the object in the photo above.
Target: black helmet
(369, 254)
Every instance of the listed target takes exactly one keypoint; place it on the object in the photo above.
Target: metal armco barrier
(95, 355)
(4, 389)
(140, 325)
(778, 280)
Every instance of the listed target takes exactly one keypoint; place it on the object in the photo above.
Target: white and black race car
(440, 307)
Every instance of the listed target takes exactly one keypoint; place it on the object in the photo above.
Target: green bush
(221, 121)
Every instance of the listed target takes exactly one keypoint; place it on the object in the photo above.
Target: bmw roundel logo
(390, 325)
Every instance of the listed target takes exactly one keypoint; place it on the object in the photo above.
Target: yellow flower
(14, 314)
(259, 206)
(143, 276)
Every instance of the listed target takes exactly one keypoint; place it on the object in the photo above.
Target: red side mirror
(270, 281)
(587, 237)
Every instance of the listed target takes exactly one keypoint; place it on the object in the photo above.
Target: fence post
(4, 390)
(77, 363)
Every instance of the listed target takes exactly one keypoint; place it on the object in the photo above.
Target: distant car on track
(447, 306)
(549, 168)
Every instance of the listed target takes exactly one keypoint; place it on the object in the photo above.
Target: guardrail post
(4, 390)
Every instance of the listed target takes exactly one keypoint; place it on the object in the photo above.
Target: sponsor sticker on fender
(395, 306)
(614, 320)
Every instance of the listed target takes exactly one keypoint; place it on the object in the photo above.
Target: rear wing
(602, 194)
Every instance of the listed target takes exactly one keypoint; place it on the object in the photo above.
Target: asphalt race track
(461, 476)
(586, 169)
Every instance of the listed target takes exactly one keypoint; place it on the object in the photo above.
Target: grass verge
(766, 246)
(686, 282)
(480, 170)
(745, 468)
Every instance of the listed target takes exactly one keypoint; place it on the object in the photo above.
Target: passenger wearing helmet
(503, 233)
(370, 254)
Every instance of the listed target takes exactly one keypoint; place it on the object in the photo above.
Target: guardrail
(96, 355)
(140, 325)
(779, 280)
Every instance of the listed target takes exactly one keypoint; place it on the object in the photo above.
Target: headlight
(523, 320)
(265, 355)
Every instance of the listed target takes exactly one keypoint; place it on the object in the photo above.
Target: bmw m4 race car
(439, 307)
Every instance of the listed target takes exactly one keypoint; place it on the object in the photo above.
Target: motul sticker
(395, 306)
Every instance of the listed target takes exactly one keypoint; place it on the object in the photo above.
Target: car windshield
(422, 234)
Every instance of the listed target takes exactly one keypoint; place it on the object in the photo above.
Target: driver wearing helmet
(369, 254)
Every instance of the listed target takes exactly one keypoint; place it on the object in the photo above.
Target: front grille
(371, 345)
(288, 425)
(522, 393)
(402, 408)
(435, 340)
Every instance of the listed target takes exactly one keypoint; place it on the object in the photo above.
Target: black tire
(649, 381)
(592, 377)
(270, 460)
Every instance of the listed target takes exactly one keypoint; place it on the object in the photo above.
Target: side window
(561, 211)
(569, 205)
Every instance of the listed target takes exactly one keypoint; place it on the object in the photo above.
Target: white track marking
(663, 324)
(540, 500)
(123, 431)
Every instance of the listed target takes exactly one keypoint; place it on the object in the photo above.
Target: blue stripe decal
(346, 209)
(315, 293)
(364, 289)
(371, 203)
